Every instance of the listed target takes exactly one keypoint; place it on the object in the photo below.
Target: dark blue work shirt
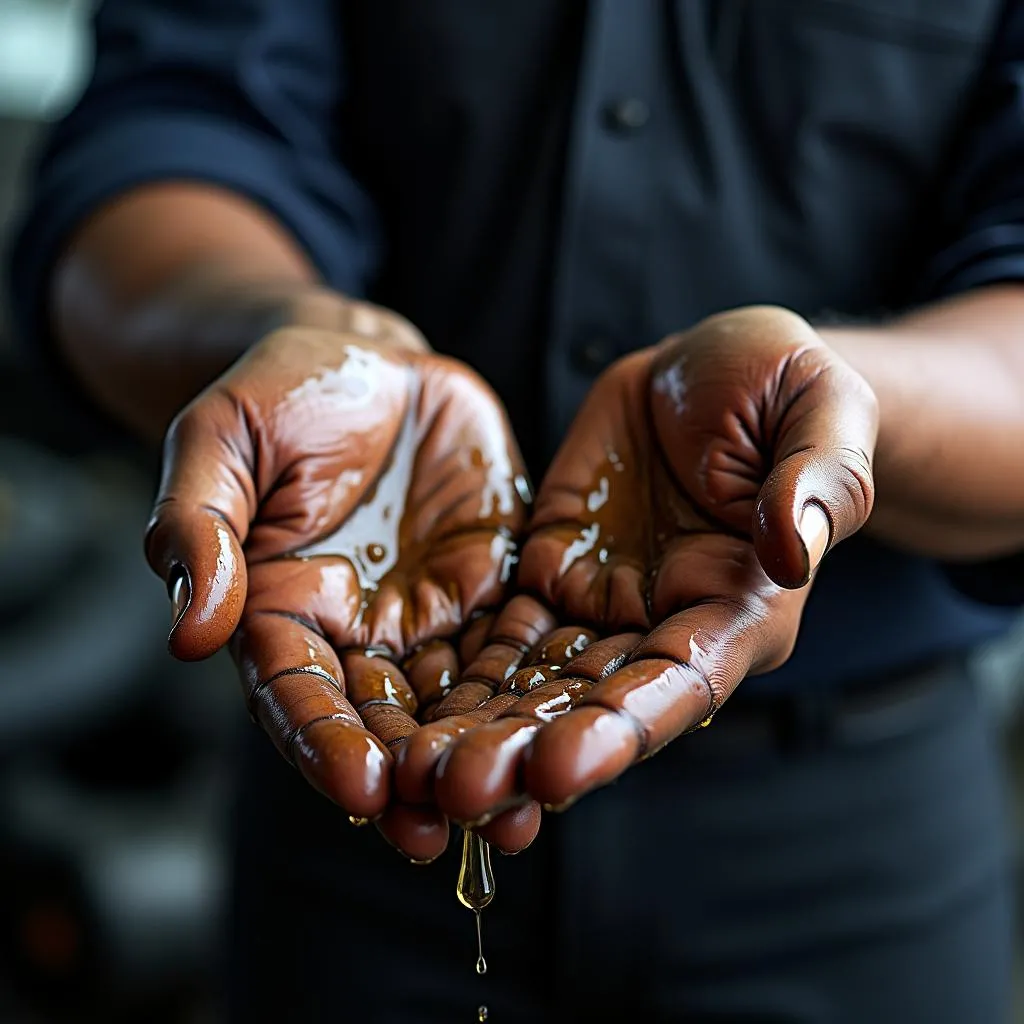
(543, 185)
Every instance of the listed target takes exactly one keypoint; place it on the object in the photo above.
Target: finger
(431, 672)
(294, 688)
(559, 646)
(519, 626)
(381, 696)
(545, 660)
(514, 830)
(821, 488)
(596, 661)
(418, 833)
(478, 776)
(201, 518)
(417, 758)
(674, 680)
(474, 637)
(602, 657)
(525, 679)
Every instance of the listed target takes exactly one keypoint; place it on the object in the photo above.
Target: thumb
(821, 489)
(200, 521)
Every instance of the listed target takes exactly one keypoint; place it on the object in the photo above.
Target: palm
(617, 541)
(377, 495)
(389, 498)
(684, 478)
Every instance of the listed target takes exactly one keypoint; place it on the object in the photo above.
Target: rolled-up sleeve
(243, 94)
(982, 209)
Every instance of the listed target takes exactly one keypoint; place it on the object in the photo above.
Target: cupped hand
(340, 505)
(681, 522)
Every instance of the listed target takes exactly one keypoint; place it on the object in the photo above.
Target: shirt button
(591, 355)
(626, 115)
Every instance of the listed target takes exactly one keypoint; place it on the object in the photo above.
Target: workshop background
(113, 781)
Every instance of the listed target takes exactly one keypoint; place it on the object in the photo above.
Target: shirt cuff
(990, 254)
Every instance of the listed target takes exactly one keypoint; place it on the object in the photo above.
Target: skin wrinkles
(681, 521)
(683, 518)
(377, 497)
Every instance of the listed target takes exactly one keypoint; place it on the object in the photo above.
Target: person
(248, 231)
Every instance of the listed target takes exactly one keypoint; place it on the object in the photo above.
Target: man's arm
(165, 287)
(949, 467)
(192, 201)
(950, 377)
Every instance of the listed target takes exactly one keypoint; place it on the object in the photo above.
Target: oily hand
(682, 521)
(338, 505)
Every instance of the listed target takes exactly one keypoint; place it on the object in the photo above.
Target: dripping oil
(475, 890)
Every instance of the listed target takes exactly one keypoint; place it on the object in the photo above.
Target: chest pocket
(849, 108)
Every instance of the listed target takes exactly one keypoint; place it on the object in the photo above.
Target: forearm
(949, 465)
(166, 287)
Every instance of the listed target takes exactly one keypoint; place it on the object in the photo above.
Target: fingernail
(814, 529)
(180, 594)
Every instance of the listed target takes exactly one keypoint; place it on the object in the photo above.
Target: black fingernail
(180, 593)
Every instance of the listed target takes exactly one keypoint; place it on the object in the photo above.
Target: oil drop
(481, 963)
(475, 890)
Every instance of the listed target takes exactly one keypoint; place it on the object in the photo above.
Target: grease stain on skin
(581, 546)
(352, 384)
(504, 553)
(599, 496)
(369, 537)
(554, 708)
(671, 382)
(445, 683)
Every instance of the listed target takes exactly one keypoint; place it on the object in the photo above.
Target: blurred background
(113, 781)
(113, 789)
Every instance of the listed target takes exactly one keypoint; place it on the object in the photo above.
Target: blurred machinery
(112, 758)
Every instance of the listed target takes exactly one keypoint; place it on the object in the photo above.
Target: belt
(811, 719)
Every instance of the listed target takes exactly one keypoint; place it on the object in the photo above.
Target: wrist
(329, 310)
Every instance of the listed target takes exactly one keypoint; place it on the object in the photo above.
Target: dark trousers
(831, 869)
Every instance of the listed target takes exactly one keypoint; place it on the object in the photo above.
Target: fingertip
(207, 596)
(420, 834)
(196, 551)
(577, 753)
(416, 760)
(513, 830)
(478, 774)
(347, 764)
